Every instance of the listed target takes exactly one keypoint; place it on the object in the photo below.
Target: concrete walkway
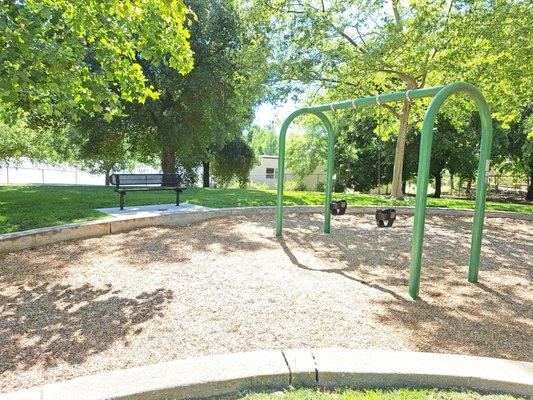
(227, 374)
(152, 210)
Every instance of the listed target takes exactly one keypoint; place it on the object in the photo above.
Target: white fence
(43, 175)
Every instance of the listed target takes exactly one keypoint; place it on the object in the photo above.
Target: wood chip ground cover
(226, 285)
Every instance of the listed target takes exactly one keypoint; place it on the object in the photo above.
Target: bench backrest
(144, 180)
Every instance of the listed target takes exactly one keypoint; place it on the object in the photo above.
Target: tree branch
(409, 79)
(391, 109)
(396, 12)
(437, 49)
(322, 79)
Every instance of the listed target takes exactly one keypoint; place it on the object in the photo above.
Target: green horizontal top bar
(382, 98)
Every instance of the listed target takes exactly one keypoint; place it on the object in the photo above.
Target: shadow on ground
(231, 285)
(50, 323)
(491, 318)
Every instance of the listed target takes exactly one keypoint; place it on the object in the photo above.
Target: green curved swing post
(439, 94)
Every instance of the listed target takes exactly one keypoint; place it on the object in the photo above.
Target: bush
(233, 162)
(296, 186)
(320, 187)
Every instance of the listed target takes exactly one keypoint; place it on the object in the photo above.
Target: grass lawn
(398, 394)
(27, 207)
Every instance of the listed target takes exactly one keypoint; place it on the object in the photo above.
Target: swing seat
(385, 215)
(338, 207)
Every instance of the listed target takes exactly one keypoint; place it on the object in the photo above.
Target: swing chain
(332, 108)
(377, 100)
(353, 105)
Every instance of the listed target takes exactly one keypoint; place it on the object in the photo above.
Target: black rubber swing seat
(338, 207)
(386, 215)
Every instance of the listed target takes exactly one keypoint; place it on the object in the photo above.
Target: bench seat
(146, 189)
(145, 182)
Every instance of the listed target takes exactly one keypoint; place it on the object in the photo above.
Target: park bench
(145, 182)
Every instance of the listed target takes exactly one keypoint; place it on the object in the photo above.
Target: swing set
(439, 94)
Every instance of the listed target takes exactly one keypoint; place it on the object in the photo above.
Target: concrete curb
(228, 374)
(39, 237)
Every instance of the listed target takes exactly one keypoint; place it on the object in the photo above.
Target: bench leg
(177, 197)
(122, 194)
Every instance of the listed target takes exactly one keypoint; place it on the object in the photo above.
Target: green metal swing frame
(439, 94)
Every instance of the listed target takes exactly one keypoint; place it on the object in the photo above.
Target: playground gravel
(226, 285)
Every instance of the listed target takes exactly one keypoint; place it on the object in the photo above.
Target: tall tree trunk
(396, 191)
(168, 161)
(438, 185)
(107, 178)
(404, 187)
(206, 176)
(529, 194)
(451, 183)
(469, 187)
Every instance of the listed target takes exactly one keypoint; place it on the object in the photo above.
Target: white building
(267, 173)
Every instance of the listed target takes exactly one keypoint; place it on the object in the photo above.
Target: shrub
(234, 161)
(297, 186)
(320, 187)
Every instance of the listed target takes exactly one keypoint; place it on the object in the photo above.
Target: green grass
(28, 207)
(398, 394)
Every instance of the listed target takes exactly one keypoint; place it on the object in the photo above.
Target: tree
(195, 114)
(520, 148)
(360, 48)
(17, 141)
(264, 141)
(360, 155)
(453, 149)
(449, 149)
(305, 152)
(82, 56)
(102, 147)
(19, 138)
(234, 161)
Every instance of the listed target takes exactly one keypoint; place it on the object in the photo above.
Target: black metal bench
(145, 182)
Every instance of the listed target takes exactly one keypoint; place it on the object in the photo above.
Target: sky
(268, 113)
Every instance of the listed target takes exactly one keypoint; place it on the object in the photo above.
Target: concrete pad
(382, 369)
(302, 366)
(152, 210)
(181, 379)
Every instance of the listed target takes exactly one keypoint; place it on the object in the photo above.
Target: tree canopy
(82, 56)
(264, 141)
(354, 48)
(214, 101)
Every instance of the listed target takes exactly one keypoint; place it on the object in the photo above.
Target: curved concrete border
(228, 374)
(39, 237)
